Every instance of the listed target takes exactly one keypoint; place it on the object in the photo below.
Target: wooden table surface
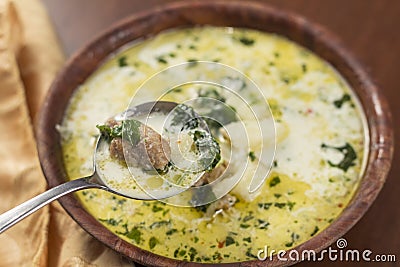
(369, 29)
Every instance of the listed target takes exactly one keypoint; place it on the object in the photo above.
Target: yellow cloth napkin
(30, 56)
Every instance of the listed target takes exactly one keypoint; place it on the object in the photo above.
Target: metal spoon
(95, 180)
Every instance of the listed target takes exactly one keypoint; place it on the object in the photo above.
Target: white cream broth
(319, 160)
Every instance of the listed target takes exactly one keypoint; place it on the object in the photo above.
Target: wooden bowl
(219, 13)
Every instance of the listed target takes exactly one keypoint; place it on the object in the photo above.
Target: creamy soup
(319, 159)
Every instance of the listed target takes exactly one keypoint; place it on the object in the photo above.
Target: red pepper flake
(221, 244)
(309, 111)
(340, 205)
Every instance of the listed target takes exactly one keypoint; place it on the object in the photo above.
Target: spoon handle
(23, 210)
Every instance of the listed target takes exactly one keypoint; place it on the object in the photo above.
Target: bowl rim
(311, 35)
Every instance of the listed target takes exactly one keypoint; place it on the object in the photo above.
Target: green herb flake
(262, 224)
(171, 231)
(349, 156)
(280, 205)
(182, 253)
(274, 181)
(165, 212)
(192, 253)
(192, 62)
(122, 62)
(286, 80)
(245, 226)
(289, 244)
(294, 237)
(250, 254)
(177, 90)
(110, 221)
(316, 229)
(156, 208)
(339, 103)
(304, 67)
(265, 206)
(229, 241)
(248, 218)
(153, 242)
(277, 195)
(135, 234)
(275, 164)
(217, 256)
(252, 156)
(176, 252)
(196, 239)
(159, 224)
(291, 204)
(110, 132)
(206, 142)
(162, 60)
(211, 93)
(246, 41)
(247, 239)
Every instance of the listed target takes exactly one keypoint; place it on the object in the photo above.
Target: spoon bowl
(98, 179)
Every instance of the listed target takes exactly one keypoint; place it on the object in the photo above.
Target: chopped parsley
(162, 60)
(262, 224)
(159, 224)
(156, 208)
(110, 221)
(247, 239)
(110, 132)
(339, 103)
(135, 234)
(349, 156)
(205, 142)
(246, 41)
(265, 206)
(245, 226)
(252, 156)
(291, 204)
(229, 241)
(274, 181)
(280, 205)
(275, 164)
(316, 229)
(153, 242)
(192, 62)
(248, 218)
(250, 254)
(294, 237)
(304, 67)
(192, 253)
(122, 62)
(172, 231)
